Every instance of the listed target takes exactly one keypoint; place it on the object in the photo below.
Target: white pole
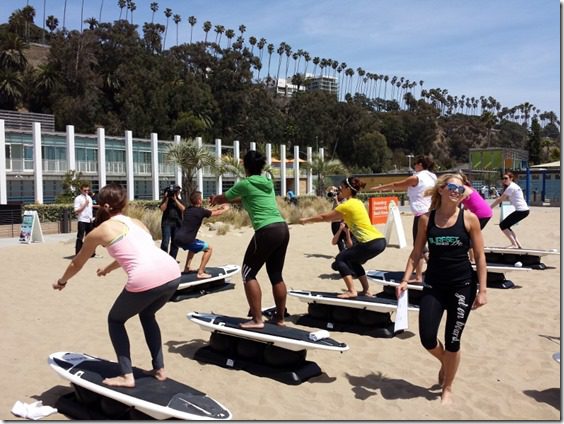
(37, 163)
(178, 177)
(282, 170)
(297, 170)
(200, 172)
(155, 165)
(218, 157)
(101, 134)
(309, 181)
(3, 183)
(71, 155)
(236, 154)
(129, 164)
(268, 152)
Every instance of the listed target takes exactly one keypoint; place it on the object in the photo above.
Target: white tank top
(419, 203)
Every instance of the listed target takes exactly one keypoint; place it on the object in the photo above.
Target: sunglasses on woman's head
(455, 188)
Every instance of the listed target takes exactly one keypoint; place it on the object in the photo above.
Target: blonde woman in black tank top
(449, 285)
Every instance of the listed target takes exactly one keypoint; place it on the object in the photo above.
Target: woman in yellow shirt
(371, 242)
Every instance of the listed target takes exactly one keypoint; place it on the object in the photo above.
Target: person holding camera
(172, 208)
(371, 242)
(341, 234)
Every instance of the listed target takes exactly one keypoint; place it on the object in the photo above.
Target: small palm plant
(191, 157)
(322, 168)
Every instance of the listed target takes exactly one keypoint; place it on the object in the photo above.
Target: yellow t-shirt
(357, 219)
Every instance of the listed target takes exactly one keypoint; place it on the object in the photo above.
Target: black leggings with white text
(457, 302)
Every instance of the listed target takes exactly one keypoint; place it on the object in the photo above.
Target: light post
(409, 157)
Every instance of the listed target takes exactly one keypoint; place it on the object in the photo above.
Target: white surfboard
(503, 268)
(531, 252)
(190, 279)
(390, 278)
(285, 337)
(158, 399)
(375, 304)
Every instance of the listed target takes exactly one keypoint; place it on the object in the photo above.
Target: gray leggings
(145, 304)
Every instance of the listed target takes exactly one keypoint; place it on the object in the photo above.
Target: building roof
(548, 165)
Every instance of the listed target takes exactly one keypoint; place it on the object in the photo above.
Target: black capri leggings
(145, 304)
(268, 245)
(457, 302)
(512, 219)
(350, 260)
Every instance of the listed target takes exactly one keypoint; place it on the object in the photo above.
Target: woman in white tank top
(416, 185)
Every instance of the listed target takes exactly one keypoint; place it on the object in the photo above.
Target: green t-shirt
(257, 196)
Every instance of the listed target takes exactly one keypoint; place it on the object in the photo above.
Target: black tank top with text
(449, 264)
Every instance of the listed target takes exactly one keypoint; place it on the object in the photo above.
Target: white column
(3, 184)
(178, 176)
(282, 170)
(236, 154)
(155, 165)
(129, 164)
(309, 181)
(37, 162)
(268, 151)
(297, 170)
(322, 154)
(253, 146)
(71, 152)
(200, 171)
(101, 133)
(218, 157)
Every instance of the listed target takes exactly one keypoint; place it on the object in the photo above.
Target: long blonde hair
(434, 191)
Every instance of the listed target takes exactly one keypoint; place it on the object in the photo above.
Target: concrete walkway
(48, 238)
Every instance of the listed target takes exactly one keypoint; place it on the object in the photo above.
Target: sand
(507, 371)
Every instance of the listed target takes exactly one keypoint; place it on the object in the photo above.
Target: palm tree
(12, 55)
(230, 33)
(11, 89)
(270, 49)
(322, 168)
(81, 14)
(242, 29)
(65, 13)
(43, 32)
(192, 21)
(154, 8)
(489, 120)
(101, 7)
(52, 23)
(121, 5)
(219, 30)
(132, 7)
(176, 19)
(190, 157)
(92, 23)
(207, 28)
(252, 42)
(168, 14)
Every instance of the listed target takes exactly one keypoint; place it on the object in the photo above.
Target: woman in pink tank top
(475, 203)
(152, 278)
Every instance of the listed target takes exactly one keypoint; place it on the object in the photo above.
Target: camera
(332, 192)
(171, 190)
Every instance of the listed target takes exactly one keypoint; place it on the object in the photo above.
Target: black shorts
(512, 219)
(268, 245)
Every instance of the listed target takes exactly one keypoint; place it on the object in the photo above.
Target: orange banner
(378, 208)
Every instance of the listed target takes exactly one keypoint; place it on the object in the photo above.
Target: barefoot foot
(446, 397)
(120, 381)
(203, 275)
(365, 293)
(347, 295)
(252, 324)
(159, 374)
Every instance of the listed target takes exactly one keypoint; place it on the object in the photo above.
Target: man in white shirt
(83, 208)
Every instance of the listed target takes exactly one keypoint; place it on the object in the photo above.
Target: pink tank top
(476, 203)
(146, 265)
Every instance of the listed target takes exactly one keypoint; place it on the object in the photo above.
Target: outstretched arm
(397, 185)
(327, 216)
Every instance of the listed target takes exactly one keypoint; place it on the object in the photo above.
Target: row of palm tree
(378, 87)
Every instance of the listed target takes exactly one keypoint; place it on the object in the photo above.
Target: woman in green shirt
(270, 241)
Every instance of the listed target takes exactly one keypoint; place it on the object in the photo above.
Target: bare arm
(337, 235)
(327, 216)
(473, 226)
(499, 200)
(220, 209)
(397, 185)
(415, 254)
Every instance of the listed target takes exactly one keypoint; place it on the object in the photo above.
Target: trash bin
(65, 222)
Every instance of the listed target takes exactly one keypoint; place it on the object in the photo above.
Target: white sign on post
(30, 230)
(394, 222)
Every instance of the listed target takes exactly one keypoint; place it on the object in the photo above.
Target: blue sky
(508, 49)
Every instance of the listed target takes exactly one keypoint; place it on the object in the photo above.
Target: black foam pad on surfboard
(192, 276)
(270, 329)
(147, 388)
(368, 299)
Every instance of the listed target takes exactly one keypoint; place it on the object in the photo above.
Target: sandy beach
(507, 371)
